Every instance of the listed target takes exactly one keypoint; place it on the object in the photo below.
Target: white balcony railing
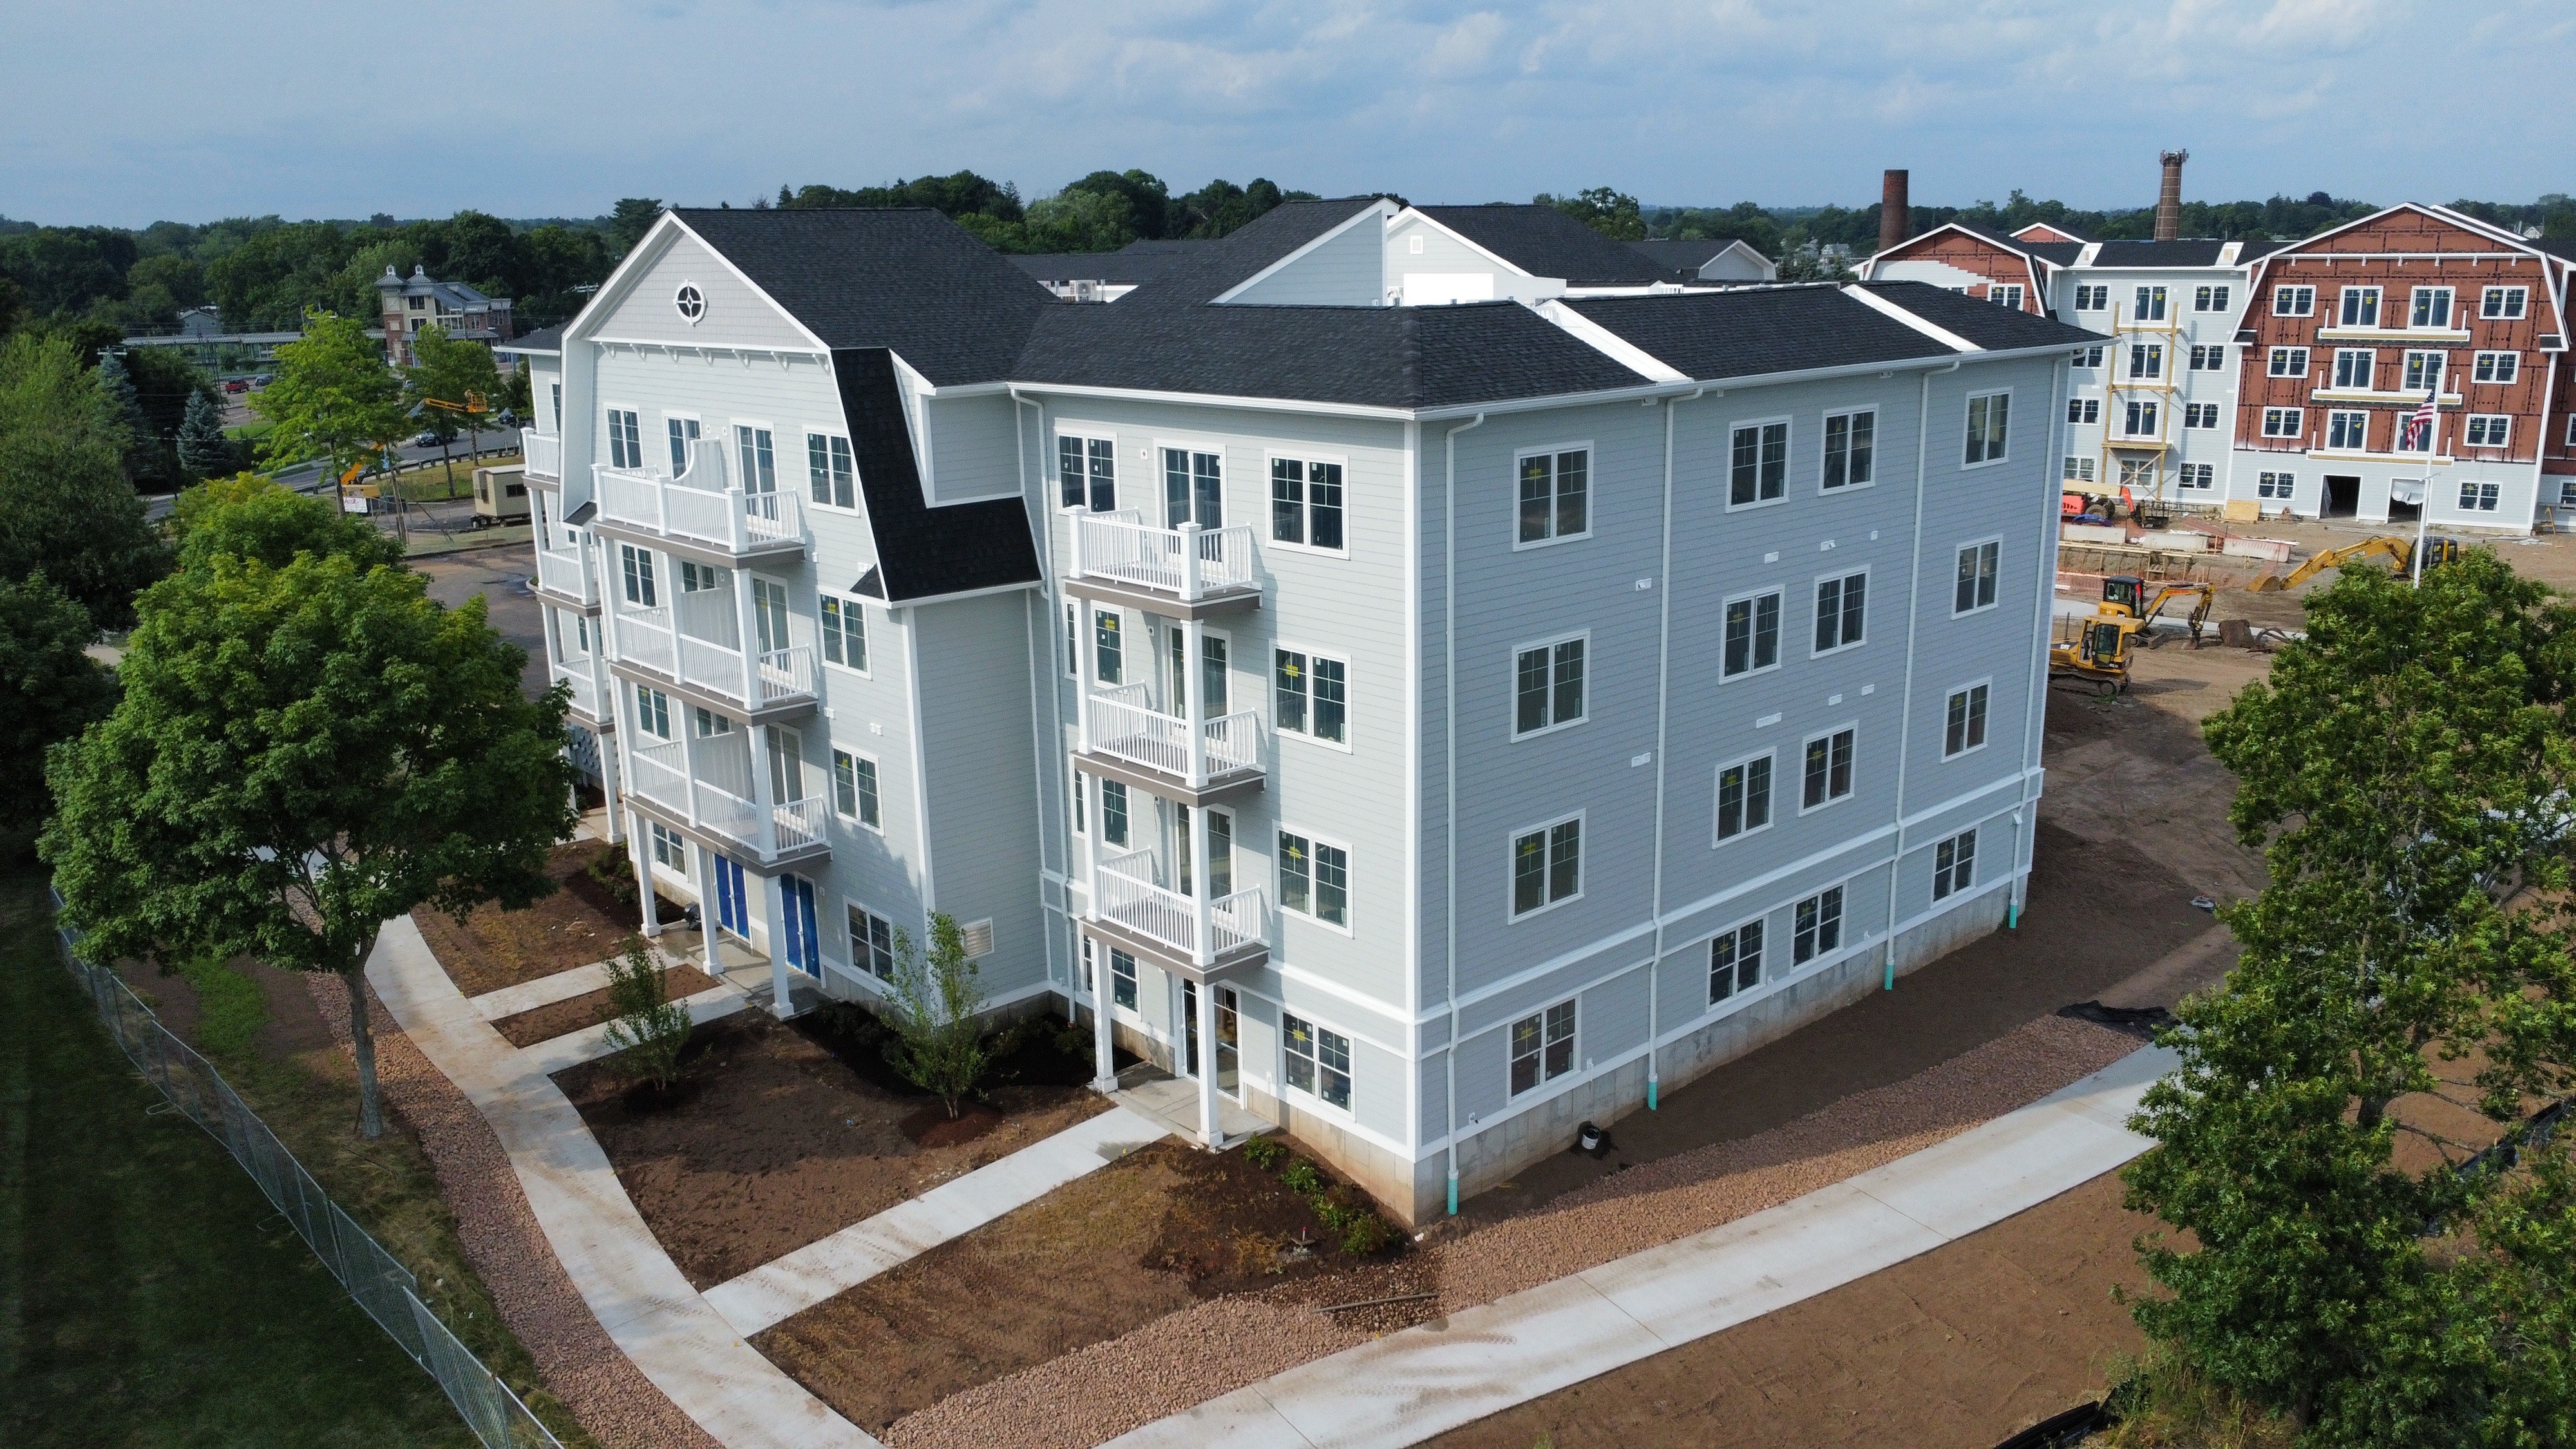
(1188, 562)
(567, 572)
(661, 774)
(1131, 899)
(753, 680)
(542, 452)
(699, 505)
(585, 686)
(1157, 741)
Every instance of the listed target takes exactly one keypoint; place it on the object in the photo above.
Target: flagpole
(2432, 446)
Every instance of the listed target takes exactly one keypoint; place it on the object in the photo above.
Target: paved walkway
(784, 1287)
(591, 1042)
(1410, 1386)
(630, 1284)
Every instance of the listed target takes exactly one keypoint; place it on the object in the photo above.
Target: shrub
(940, 1045)
(611, 870)
(1302, 1177)
(649, 1028)
(1364, 1233)
(1263, 1153)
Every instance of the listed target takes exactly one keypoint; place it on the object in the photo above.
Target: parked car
(237, 385)
(425, 440)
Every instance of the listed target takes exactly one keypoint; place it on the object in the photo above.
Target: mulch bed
(582, 922)
(561, 1018)
(775, 1139)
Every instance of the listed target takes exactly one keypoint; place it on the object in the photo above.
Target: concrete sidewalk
(590, 1043)
(1410, 1386)
(784, 1287)
(630, 1284)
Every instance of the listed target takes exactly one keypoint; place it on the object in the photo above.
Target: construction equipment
(2127, 593)
(2099, 646)
(2400, 553)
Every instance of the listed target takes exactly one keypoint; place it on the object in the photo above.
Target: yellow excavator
(2400, 553)
(2100, 645)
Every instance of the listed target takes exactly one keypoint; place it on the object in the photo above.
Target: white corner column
(774, 898)
(635, 851)
(1104, 1052)
(1208, 1133)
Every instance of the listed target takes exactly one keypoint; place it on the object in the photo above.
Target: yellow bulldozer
(2400, 553)
(2096, 648)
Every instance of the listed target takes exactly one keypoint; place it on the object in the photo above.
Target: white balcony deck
(588, 698)
(1190, 564)
(753, 679)
(661, 773)
(1118, 724)
(700, 506)
(543, 454)
(567, 574)
(1126, 896)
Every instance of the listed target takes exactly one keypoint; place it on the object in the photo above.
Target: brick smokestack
(2169, 199)
(1895, 216)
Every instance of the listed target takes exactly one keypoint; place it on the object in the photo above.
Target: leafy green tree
(333, 397)
(2407, 767)
(1612, 213)
(938, 1043)
(203, 449)
(519, 394)
(50, 690)
(65, 507)
(300, 755)
(456, 373)
(251, 517)
(648, 1029)
(633, 216)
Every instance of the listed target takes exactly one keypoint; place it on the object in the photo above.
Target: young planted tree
(302, 753)
(939, 1043)
(65, 507)
(203, 449)
(2407, 767)
(649, 1028)
(333, 396)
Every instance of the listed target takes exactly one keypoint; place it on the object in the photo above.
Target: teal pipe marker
(1650, 1094)
(1453, 1194)
(2012, 916)
(1891, 971)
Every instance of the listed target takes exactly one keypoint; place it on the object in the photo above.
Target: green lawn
(149, 1296)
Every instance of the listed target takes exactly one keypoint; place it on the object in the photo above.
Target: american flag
(2419, 425)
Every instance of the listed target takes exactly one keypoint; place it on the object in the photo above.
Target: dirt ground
(560, 1018)
(1956, 1349)
(775, 1142)
(1143, 1237)
(578, 924)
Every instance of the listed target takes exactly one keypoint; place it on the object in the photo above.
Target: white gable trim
(655, 243)
(1610, 344)
(1942, 335)
(1461, 239)
(1378, 208)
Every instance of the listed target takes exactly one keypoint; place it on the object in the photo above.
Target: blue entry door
(733, 906)
(802, 948)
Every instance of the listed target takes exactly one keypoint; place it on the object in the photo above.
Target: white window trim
(1309, 1101)
(1513, 684)
(1852, 411)
(1270, 694)
(1997, 540)
(2504, 419)
(2520, 311)
(1577, 1070)
(1953, 692)
(1869, 595)
(1273, 455)
(2298, 416)
(2092, 403)
(1290, 827)
(858, 493)
(1822, 957)
(1591, 493)
(861, 973)
(682, 415)
(1157, 516)
(1582, 871)
(2378, 307)
(1753, 670)
(833, 766)
(2480, 357)
(1831, 800)
(1964, 403)
(1089, 433)
(2294, 289)
(2302, 357)
(2452, 311)
(849, 603)
(1716, 783)
(733, 448)
(608, 434)
(1788, 461)
(1974, 834)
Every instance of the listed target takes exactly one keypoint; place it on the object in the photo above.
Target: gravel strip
(607, 1394)
(1213, 1348)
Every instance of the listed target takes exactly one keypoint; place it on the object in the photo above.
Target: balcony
(700, 506)
(1188, 566)
(589, 697)
(1189, 929)
(666, 774)
(564, 576)
(1119, 726)
(543, 454)
(709, 659)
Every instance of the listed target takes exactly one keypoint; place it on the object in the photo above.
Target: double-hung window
(1108, 650)
(2200, 415)
(1842, 609)
(756, 456)
(625, 440)
(1757, 463)
(1547, 866)
(2211, 358)
(2487, 430)
(1752, 635)
(1547, 686)
(1851, 448)
(831, 470)
(2478, 497)
(2294, 301)
(2089, 298)
(1954, 864)
(1122, 979)
(1314, 878)
(1542, 1047)
(2141, 419)
(2288, 362)
(1828, 769)
(2209, 299)
(1318, 1061)
(1086, 471)
(1306, 503)
(845, 632)
(2084, 410)
(2432, 308)
(1988, 416)
(2354, 367)
(2151, 305)
(1818, 923)
(653, 712)
(2498, 367)
(2146, 359)
(2284, 423)
(1113, 812)
(2423, 371)
(635, 566)
(1735, 961)
(2348, 432)
(1975, 588)
(683, 432)
(669, 849)
(2360, 307)
(1193, 488)
(1744, 796)
(2276, 485)
(1966, 726)
(854, 788)
(871, 943)
(1310, 695)
(2504, 302)
(1556, 494)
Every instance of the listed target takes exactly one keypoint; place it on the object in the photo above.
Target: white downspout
(1913, 622)
(1449, 765)
(1663, 678)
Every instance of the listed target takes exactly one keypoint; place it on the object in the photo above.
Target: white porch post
(635, 851)
(742, 623)
(764, 803)
(1105, 1059)
(1086, 648)
(775, 891)
(1206, 994)
(1193, 684)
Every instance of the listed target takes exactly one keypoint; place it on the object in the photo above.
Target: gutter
(1913, 622)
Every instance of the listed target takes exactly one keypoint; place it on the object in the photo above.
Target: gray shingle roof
(1546, 242)
(1199, 270)
(1681, 259)
(1134, 264)
(544, 339)
(1747, 331)
(2198, 253)
(1981, 322)
(905, 278)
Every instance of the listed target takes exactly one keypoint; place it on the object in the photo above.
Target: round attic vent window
(691, 302)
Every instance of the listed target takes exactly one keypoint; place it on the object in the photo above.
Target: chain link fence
(382, 1286)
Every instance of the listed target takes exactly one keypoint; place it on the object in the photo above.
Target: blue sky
(126, 112)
